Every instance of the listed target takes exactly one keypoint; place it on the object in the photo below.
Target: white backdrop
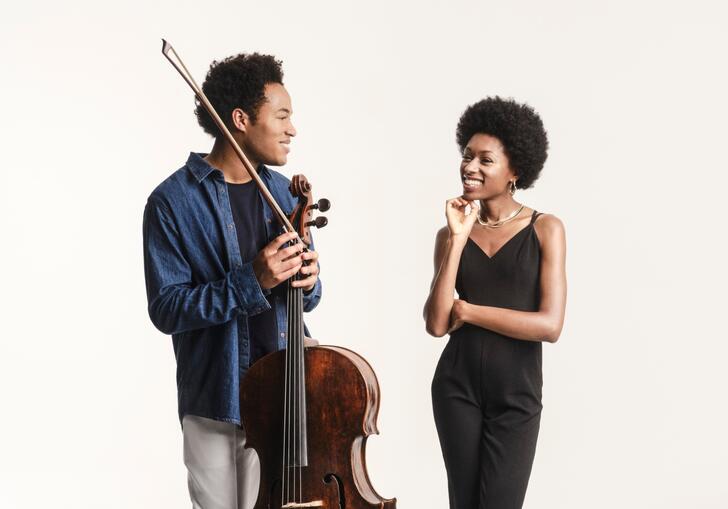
(633, 97)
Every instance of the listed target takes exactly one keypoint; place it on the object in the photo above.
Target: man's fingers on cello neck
(289, 251)
(281, 240)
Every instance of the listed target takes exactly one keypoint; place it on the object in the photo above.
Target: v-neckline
(490, 257)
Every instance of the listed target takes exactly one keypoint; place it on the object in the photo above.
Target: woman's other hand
(457, 315)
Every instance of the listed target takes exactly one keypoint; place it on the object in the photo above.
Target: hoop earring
(513, 187)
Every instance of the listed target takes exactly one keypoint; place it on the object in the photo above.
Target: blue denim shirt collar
(200, 168)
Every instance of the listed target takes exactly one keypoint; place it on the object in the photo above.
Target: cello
(307, 411)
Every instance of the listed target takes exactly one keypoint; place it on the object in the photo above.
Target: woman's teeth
(472, 183)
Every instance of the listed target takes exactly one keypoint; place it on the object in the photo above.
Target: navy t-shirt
(247, 209)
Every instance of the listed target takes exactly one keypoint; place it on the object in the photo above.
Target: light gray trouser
(222, 474)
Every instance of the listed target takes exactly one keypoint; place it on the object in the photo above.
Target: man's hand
(274, 265)
(309, 272)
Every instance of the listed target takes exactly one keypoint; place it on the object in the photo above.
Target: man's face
(268, 139)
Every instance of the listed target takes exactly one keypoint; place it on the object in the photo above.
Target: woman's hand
(457, 315)
(458, 222)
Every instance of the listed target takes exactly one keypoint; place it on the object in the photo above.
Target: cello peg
(323, 205)
(319, 222)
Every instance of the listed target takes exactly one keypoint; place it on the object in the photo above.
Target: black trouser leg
(487, 419)
(459, 426)
(506, 460)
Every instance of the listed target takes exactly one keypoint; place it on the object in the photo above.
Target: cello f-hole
(339, 487)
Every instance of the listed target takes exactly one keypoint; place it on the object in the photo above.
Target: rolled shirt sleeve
(175, 304)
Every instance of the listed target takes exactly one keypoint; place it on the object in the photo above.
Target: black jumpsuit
(486, 391)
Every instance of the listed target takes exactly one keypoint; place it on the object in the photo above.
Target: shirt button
(230, 226)
(283, 334)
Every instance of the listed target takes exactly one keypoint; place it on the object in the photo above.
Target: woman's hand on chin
(458, 221)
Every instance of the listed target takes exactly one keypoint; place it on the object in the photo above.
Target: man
(214, 263)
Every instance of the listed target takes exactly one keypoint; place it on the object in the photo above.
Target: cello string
(284, 460)
(293, 343)
(302, 388)
(296, 402)
(301, 392)
(299, 382)
(291, 408)
(285, 419)
(294, 385)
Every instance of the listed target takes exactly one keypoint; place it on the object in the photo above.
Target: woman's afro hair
(237, 82)
(519, 129)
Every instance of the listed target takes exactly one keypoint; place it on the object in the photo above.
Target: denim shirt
(200, 291)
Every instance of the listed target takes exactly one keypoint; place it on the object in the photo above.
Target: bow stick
(167, 49)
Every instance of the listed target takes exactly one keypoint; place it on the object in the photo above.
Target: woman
(507, 263)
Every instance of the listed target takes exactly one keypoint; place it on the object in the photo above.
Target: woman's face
(484, 170)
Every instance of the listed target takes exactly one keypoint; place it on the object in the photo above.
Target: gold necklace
(500, 223)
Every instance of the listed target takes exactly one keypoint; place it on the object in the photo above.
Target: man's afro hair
(237, 82)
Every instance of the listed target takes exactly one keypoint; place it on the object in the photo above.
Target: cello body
(342, 403)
